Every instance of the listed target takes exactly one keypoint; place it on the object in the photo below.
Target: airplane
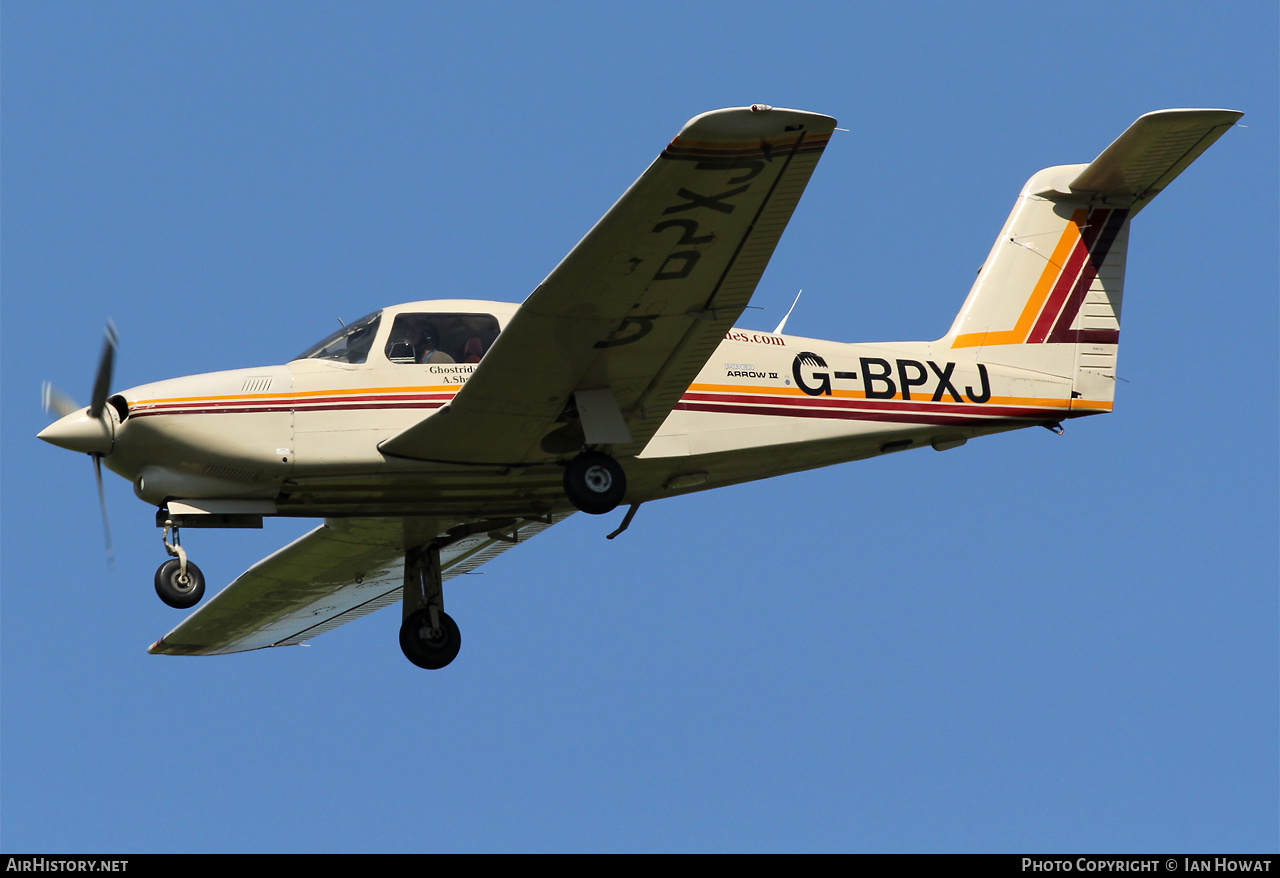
(432, 436)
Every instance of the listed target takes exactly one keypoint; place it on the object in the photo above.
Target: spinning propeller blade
(106, 521)
(82, 433)
(55, 402)
(102, 383)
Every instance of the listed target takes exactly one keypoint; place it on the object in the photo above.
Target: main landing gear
(594, 482)
(428, 636)
(179, 582)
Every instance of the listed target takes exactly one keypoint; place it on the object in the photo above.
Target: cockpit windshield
(350, 344)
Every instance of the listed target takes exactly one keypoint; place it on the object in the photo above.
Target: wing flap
(638, 306)
(342, 570)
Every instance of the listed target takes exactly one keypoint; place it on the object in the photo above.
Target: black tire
(173, 591)
(595, 483)
(419, 647)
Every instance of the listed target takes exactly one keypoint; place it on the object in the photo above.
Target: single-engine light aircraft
(432, 436)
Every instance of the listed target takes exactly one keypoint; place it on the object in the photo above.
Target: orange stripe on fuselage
(252, 397)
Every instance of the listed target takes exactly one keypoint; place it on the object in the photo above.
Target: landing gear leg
(179, 582)
(428, 637)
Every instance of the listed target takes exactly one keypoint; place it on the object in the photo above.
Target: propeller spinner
(90, 429)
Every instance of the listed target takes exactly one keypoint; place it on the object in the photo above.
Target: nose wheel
(595, 483)
(180, 589)
(179, 582)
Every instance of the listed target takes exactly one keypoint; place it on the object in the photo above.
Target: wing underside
(342, 570)
(603, 349)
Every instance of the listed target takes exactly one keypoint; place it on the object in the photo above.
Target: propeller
(106, 521)
(106, 364)
(84, 434)
(56, 402)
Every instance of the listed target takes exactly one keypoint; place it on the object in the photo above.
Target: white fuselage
(305, 435)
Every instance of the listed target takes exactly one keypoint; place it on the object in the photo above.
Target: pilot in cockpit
(414, 341)
(428, 348)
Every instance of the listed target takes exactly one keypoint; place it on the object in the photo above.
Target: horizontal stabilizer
(1155, 149)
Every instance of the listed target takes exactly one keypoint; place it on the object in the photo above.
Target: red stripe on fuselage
(848, 415)
(313, 403)
(888, 405)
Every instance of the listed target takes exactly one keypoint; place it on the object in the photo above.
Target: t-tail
(1048, 297)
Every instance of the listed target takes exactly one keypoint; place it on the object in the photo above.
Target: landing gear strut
(594, 482)
(179, 582)
(428, 636)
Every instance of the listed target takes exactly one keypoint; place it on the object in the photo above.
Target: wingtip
(755, 121)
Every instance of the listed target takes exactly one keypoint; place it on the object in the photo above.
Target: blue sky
(1032, 643)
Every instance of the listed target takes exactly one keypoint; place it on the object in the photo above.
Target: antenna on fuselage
(778, 331)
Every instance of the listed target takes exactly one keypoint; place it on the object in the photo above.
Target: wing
(603, 349)
(342, 570)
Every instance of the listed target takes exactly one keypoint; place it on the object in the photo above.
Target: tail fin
(1048, 297)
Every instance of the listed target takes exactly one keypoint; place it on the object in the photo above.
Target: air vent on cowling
(256, 385)
(231, 473)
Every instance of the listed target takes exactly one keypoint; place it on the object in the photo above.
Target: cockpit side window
(441, 338)
(350, 344)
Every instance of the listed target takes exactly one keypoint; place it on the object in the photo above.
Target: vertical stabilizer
(1048, 297)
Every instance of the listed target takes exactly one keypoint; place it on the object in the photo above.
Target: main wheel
(595, 483)
(424, 649)
(176, 590)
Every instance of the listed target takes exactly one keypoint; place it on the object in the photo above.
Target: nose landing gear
(179, 582)
(180, 589)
